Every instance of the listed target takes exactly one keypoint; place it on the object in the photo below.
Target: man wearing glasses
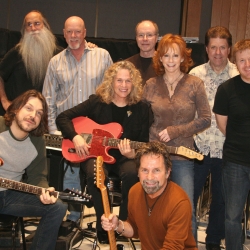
(147, 33)
(24, 67)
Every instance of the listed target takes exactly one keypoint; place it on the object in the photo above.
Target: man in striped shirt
(71, 77)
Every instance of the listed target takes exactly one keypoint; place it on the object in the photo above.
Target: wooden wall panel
(191, 18)
(225, 13)
(247, 34)
(242, 20)
(233, 14)
(216, 12)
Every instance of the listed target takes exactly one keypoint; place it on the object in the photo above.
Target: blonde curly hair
(106, 89)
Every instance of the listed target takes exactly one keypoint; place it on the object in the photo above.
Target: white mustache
(35, 32)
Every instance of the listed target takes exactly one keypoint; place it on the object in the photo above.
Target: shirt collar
(210, 70)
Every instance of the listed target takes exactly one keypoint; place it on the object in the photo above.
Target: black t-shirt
(118, 115)
(144, 65)
(233, 100)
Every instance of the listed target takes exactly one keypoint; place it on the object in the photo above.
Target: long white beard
(36, 49)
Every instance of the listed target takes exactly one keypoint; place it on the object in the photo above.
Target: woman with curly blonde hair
(106, 89)
(117, 99)
(176, 97)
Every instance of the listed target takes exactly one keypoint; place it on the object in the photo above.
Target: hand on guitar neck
(100, 178)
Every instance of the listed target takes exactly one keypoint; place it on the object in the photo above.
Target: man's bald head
(75, 32)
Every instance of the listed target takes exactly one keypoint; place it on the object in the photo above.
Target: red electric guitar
(101, 138)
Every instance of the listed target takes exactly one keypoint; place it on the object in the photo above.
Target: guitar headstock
(74, 195)
(189, 153)
(100, 176)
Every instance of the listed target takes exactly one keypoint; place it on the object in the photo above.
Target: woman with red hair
(176, 97)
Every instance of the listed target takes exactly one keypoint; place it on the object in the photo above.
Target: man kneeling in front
(159, 211)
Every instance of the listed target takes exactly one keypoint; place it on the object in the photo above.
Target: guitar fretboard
(112, 142)
(16, 185)
(55, 142)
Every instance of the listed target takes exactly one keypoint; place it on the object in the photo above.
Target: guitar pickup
(72, 150)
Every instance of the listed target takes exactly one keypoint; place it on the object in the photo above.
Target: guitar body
(101, 138)
(94, 136)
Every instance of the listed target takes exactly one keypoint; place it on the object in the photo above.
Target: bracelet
(116, 226)
(122, 232)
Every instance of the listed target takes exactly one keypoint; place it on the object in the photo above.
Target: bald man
(147, 34)
(72, 76)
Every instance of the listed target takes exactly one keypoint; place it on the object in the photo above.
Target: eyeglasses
(148, 35)
(36, 24)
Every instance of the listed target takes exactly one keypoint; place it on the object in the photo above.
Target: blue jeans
(183, 174)
(236, 185)
(72, 181)
(29, 205)
(216, 226)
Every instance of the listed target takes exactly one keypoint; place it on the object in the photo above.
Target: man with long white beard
(24, 67)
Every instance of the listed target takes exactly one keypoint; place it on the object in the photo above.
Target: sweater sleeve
(37, 171)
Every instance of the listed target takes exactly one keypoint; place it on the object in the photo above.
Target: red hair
(164, 45)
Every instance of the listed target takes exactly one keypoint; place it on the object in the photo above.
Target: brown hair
(240, 46)
(218, 32)
(19, 102)
(154, 148)
(167, 42)
(106, 89)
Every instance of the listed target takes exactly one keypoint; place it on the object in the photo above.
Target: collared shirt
(212, 140)
(69, 82)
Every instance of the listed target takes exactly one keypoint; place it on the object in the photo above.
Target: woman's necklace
(150, 209)
(171, 84)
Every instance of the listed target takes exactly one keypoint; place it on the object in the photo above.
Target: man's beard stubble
(151, 190)
(36, 49)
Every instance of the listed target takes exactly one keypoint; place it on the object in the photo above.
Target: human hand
(57, 132)
(46, 198)
(164, 136)
(92, 45)
(81, 147)
(5, 103)
(109, 223)
(125, 149)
